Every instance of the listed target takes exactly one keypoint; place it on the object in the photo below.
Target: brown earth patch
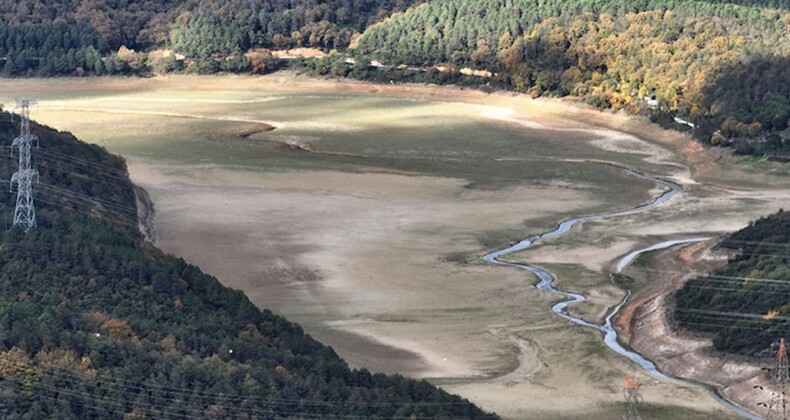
(252, 129)
(645, 326)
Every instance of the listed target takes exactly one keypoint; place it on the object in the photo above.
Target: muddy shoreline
(145, 213)
(644, 324)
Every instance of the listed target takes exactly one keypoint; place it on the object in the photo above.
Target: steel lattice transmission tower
(781, 374)
(778, 406)
(781, 377)
(632, 399)
(25, 211)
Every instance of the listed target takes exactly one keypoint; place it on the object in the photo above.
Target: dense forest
(214, 36)
(142, 25)
(720, 64)
(745, 304)
(97, 323)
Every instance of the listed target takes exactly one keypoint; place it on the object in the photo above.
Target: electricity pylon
(25, 210)
(781, 375)
(778, 407)
(632, 399)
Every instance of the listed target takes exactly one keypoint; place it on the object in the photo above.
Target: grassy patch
(622, 281)
(462, 258)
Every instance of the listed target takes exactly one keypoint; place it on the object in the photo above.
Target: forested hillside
(720, 64)
(37, 37)
(746, 304)
(97, 323)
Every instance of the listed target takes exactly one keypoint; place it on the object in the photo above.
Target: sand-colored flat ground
(364, 213)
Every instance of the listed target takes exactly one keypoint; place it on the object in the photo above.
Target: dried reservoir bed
(362, 212)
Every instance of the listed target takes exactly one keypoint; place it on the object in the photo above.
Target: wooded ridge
(97, 323)
(745, 305)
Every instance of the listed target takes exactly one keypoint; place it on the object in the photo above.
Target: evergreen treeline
(613, 54)
(240, 25)
(135, 24)
(473, 33)
(746, 304)
(141, 25)
(96, 323)
(61, 49)
(56, 50)
(114, 38)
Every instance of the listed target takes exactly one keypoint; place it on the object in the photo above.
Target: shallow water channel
(546, 280)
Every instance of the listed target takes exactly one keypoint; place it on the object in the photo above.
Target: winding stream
(546, 280)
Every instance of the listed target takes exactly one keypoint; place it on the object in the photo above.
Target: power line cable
(107, 203)
(78, 201)
(123, 217)
(731, 314)
(82, 161)
(192, 392)
(201, 412)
